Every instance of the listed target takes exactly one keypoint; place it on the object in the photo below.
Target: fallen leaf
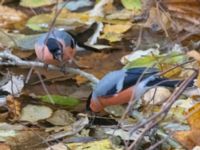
(100, 63)
(33, 113)
(184, 138)
(160, 61)
(14, 86)
(61, 100)
(132, 4)
(117, 28)
(59, 146)
(112, 37)
(138, 54)
(191, 138)
(4, 134)
(75, 5)
(65, 19)
(120, 15)
(37, 3)
(158, 20)
(97, 145)
(61, 117)
(4, 146)
(125, 135)
(156, 95)
(194, 116)
(28, 140)
(194, 54)
(115, 110)
(71, 129)
(113, 33)
(196, 148)
(11, 18)
(14, 107)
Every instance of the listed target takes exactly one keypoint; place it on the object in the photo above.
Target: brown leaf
(10, 17)
(194, 54)
(4, 146)
(191, 138)
(194, 116)
(30, 140)
(184, 138)
(14, 107)
(100, 63)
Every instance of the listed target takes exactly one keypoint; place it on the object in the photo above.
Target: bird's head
(55, 48)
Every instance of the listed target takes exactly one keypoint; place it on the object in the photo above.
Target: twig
(157, 144)
(153, 120)
(16, 61)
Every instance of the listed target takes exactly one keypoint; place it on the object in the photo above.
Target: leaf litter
(135, 43)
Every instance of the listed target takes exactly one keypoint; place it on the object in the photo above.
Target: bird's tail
(167, 82)
(88, 103)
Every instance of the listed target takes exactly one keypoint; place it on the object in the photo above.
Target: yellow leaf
(97, 145)
(118, 28)
(111, 36)
(194, 116)
(198, 81)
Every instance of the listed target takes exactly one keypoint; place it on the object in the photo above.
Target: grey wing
(110, 84)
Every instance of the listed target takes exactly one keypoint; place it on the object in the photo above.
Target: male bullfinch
(57, 49)
(119, 86)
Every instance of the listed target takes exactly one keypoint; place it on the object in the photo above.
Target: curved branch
(16, 61)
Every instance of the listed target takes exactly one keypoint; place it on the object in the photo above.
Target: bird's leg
(62, 68)
(46, 66)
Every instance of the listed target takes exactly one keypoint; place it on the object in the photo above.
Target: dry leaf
(113, 33)
(194, 116)
(59, 146)
(100, 63)
(156, 95)
(194, 54)
(191, 138)
(97, 145)
(61, 117)
(34, 113)
(27, 140)
(4, 146)
(14, 107)
(117, 28)
(184, 138)
(10, 17)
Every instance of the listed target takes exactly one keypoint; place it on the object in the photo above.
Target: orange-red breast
(58, 48)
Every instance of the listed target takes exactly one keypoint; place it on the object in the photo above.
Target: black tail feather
(167, 82)
(88, 102)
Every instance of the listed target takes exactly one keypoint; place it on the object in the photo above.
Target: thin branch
(155, 119)
(16, 61)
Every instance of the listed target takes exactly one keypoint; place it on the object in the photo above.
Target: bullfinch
(118, 87)
(58, 48)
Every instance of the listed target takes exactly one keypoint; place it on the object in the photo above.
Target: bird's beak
(59, 58)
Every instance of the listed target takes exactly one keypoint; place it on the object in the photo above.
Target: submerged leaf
(61, 100)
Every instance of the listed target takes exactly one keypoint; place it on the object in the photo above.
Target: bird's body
(119, 86)
(57, 47)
